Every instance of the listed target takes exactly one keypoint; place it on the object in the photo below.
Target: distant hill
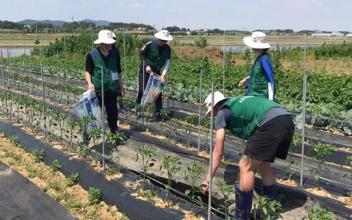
(98, 22)
(59, 23)
(56, 23)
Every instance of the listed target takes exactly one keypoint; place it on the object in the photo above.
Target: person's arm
(243, 82)
(120, 81)
(217, 155)
(269, 75)
(143, 55)
(165, 69)
(89, 71)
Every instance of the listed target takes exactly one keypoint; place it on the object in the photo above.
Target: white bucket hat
(105, 37)
(218, 97)
(256, 41)
(163, 35)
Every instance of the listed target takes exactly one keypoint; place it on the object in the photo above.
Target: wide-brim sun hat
(218, 97)
(256, 41)
(105, 37)
(163, 35)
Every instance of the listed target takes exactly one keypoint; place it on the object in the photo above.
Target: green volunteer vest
(99, 67)
(154, 59)
(258, 85)
(247, 111)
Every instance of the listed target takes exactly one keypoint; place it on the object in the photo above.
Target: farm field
(160, 164)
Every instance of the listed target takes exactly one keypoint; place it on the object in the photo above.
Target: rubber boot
(270, 191)
(243, 204)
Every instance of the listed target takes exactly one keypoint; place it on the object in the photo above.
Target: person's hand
(243, 82)
(204, 186)
(123, 92)
(162, 78)
(148, 69)
(90, 86)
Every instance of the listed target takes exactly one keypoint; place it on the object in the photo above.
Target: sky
(329, 15)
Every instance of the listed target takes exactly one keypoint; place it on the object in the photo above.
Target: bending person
(268, 129)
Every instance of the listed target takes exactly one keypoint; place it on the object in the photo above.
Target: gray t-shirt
(225, 116)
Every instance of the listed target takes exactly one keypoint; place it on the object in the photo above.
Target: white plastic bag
(88, 105)
(152, 90)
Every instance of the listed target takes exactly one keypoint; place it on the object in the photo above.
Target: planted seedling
(60, 118)
(164, 114)
(317, 213)
(193, 174)
(297, 140)
(94, 195)
(81, 150)
(72, 123)
(56, 165)
(172, 165)
(95, 134)
(147, 157)
(321, 151)
(72, 179)
(226, 190)
(38, 155)
(14, 140)
(267, 209)
(116, 138)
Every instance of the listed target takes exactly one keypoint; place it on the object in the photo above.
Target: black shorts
(271, 140)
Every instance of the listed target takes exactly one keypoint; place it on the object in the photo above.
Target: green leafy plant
(193, 174)
(116, 138)
(297, 140)
(94, 195)
(14, 140)
(60, 118)
(170, 164)
(226, 190)
(81, 150)
(201, 42)
(147, 157)
(321, 151)
(72, 123)
(317, 213)
(38, 155)
(72, 179)
(95, 134)
(267, 209)
(56, 165)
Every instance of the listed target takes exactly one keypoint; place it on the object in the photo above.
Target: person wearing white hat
(104, 60)
(155, 56)
(268, 129)
(261, 81)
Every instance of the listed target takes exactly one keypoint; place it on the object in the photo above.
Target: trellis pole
(43, 93)
(223, 64)
(304, 107)
(211, 151)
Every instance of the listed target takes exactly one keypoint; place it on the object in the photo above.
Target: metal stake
(304, 109)
(102, 113)
(43, 97)
(211, 151)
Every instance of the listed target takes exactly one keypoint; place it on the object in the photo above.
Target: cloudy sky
(334, 15)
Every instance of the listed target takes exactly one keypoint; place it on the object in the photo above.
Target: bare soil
(74, 198)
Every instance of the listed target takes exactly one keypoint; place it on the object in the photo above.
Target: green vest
(99, 67)
(247, 111)
(155, 60)
(258, 85)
